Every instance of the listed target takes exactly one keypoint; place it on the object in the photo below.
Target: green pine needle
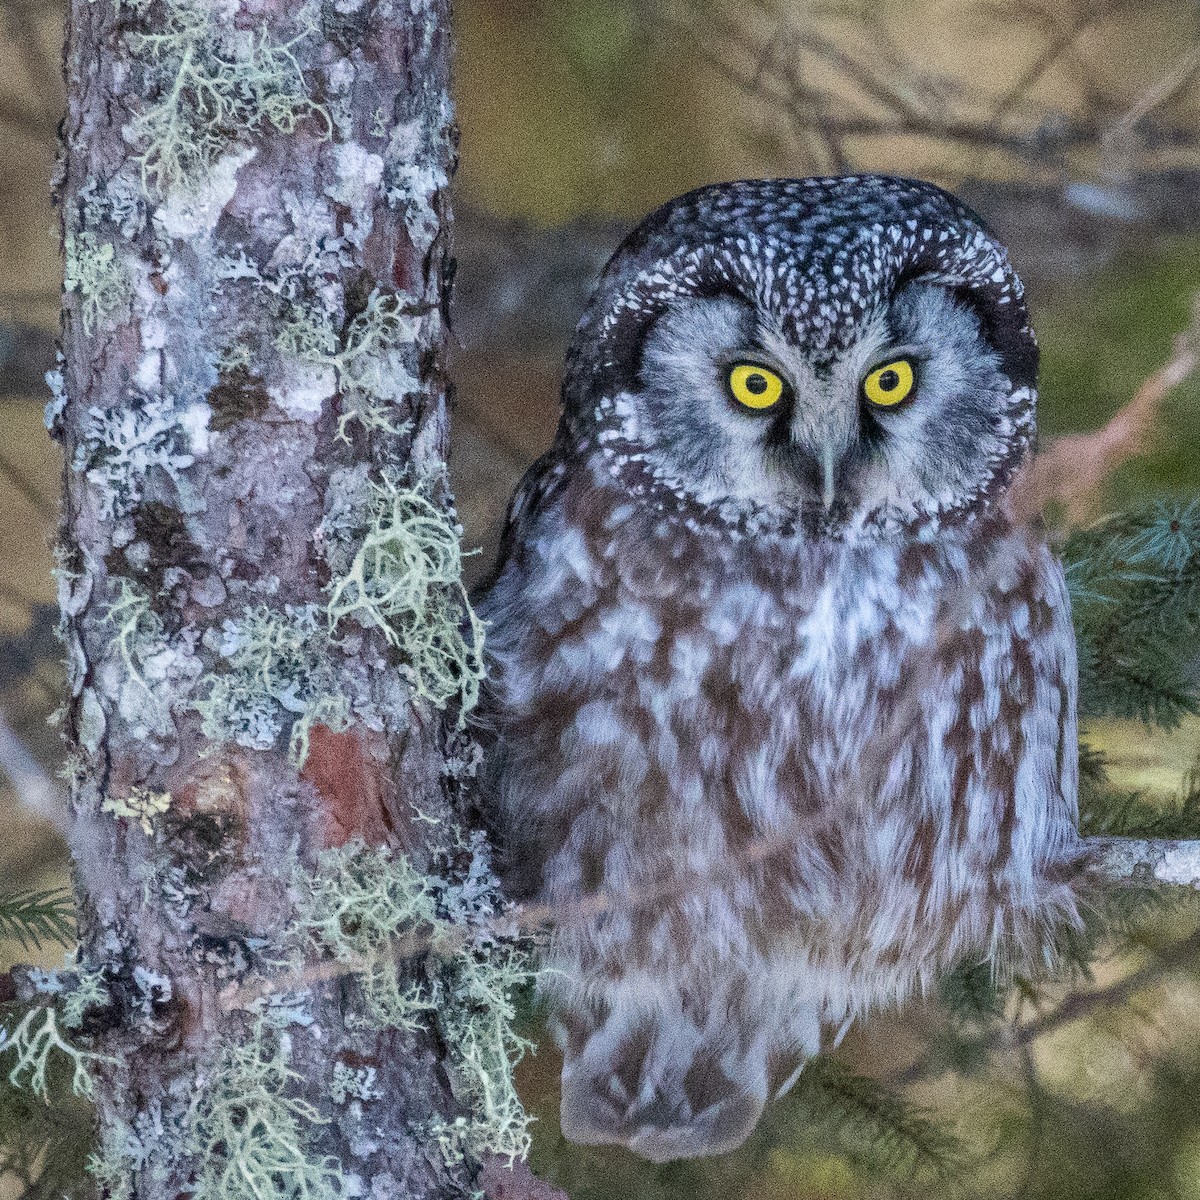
(32, 918)
(970, 992)
(1105, 811)
(874, 1124)
(1135, 591)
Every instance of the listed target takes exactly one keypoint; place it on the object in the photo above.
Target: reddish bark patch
(350, 773)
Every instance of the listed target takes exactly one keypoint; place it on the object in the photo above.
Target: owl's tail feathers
(662, 1088)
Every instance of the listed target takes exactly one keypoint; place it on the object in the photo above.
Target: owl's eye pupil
(757, 384)
(889, 381)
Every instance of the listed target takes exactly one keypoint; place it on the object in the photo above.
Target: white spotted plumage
(773, 759)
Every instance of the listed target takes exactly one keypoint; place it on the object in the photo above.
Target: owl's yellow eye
(890, 384)
(755, 386)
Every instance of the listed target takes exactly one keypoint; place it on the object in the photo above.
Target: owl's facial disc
(909, 416)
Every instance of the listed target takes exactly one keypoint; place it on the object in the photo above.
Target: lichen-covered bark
(269, 654)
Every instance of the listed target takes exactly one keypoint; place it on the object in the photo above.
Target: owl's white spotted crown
(819, 252)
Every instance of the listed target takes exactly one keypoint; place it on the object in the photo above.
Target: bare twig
(1060, 45)
(863, 99)
(1171, 84)
(37, 791)
(1072, 470)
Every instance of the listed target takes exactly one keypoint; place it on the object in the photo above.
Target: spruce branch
(873, 1122)
(32, 918)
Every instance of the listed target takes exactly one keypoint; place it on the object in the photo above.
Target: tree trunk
(269, 651)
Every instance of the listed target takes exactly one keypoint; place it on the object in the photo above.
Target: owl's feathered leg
(659, 1084)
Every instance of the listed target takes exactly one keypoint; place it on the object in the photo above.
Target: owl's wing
(1010, 749)
(540, 482)
(1056, 670)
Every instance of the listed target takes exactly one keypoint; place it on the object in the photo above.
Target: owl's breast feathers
(815, 770)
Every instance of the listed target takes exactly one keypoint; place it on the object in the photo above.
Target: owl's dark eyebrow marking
(756, 354)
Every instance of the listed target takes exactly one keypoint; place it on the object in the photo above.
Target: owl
(781, 719)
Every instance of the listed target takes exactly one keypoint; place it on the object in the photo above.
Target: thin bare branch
(1171, 84)
(1058, 48)
(37, 791)
(780, 81)
(1073, 469)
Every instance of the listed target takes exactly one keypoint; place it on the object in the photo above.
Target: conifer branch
(32, 918)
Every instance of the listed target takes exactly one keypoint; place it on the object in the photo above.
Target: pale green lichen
(249, 1136)
(112, 1166)
(34, 1043)
(307, 333)
(371, 910)
(119, 447)
(478, 1014)
(278, 669)
(353, 1083)
(88, 990)
(144, 671)
(373, 415)
(93, 272)
(141, 805)
(357, 906)
(212, 81)
(405, 579)
(370, 365)
(116, 200)
(138, 631)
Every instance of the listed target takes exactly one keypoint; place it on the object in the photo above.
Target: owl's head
(846, 352)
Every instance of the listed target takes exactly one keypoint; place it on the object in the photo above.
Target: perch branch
(1142, 861)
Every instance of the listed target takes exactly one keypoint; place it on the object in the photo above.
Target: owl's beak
(828, 470)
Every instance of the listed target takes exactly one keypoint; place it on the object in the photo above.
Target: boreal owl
(781, 719)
